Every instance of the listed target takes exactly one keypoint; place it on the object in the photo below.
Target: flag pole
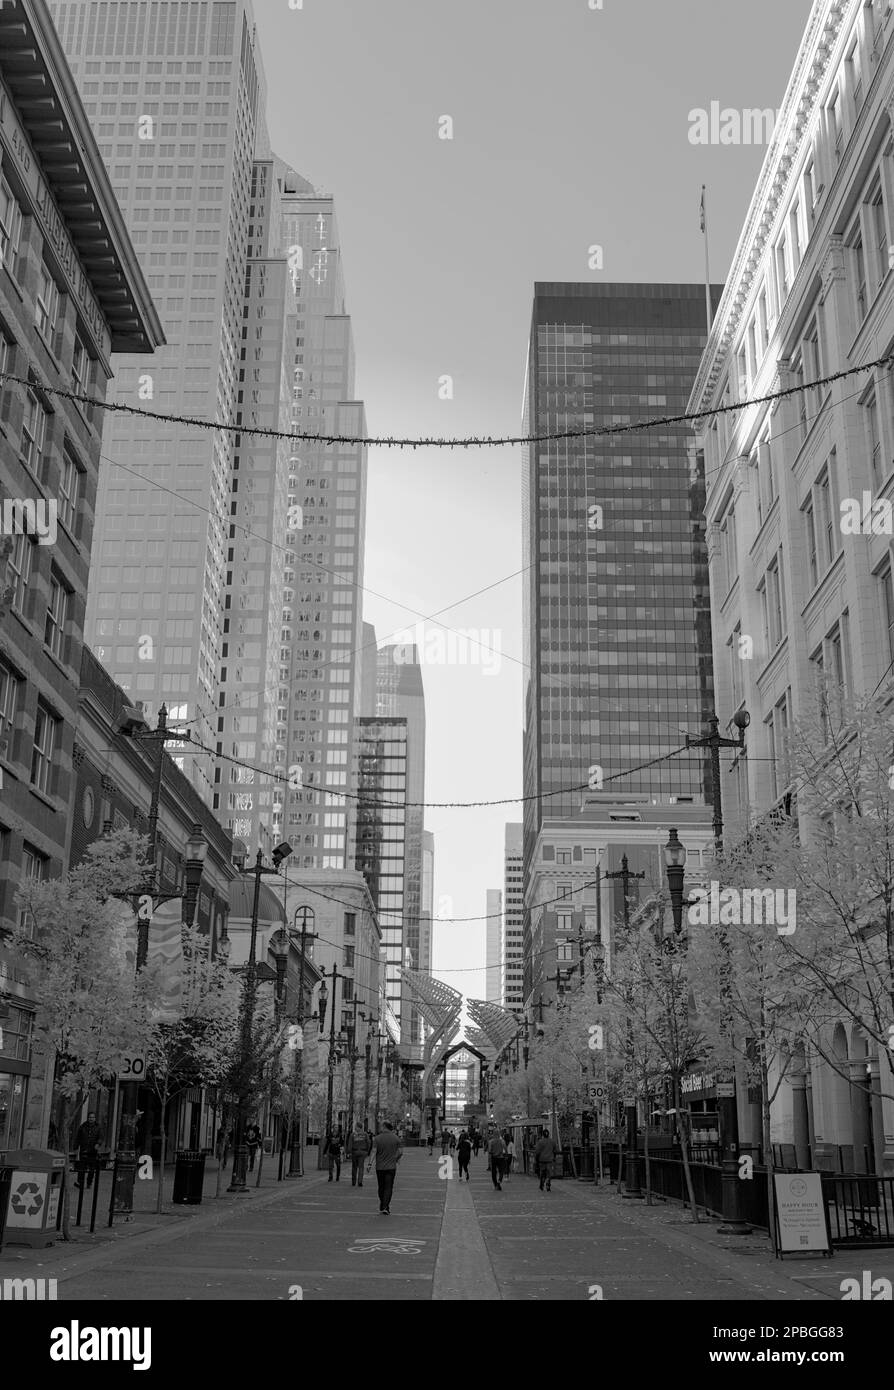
(704, 224)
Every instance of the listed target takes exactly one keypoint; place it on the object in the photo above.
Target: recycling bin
(189, 1177)
(32, 1204)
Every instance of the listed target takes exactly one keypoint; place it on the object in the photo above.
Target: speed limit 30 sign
(132, 1067)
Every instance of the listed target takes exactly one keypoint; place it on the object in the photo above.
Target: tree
(92, 1007)
(194, 1049)
(806, 930)
(650, 983)
(509, 1097)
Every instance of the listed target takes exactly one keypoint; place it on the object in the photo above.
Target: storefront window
(12, 1109)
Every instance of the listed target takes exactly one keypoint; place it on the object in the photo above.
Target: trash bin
(584, 1160)
(189, 1177)
(33, 1196)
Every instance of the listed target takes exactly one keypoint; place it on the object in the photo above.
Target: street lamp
(196, 850)
(727, 1118)
(247, 1015)
(332, 1053)
(302, 914)
(675, 862)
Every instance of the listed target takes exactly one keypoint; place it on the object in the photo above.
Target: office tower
(400, 693)
(252, 703)
(381, 838)
(71, 293)
(617, 627)
(368, 658)
(324, 558)
(174, 93)
(428, 901)
(493, 971)
(512, 946)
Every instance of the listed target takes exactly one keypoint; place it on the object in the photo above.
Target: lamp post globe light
(196, 850)
(245, 1071)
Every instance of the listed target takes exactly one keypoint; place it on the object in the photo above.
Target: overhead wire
(439, 442)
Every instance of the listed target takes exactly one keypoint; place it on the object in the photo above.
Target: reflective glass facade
(382, 835)
(400, 693)
(175, 95)
(617, 616)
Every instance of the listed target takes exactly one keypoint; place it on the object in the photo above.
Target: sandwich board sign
(801, 1221)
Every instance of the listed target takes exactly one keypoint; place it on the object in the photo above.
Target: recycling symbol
(19, 1198)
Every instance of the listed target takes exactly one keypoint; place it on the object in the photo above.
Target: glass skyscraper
(320, 667)
(175, 95)
(400, 693)
(381, 838)
(617, 622)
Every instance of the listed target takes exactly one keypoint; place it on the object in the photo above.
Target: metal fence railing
(860, 1207)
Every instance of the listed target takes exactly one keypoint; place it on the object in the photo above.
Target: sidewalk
(144, 1219)
(747, 1260)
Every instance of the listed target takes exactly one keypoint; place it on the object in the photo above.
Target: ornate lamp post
(333, 1056)
(247, 1012)
(675, 861)
(632, 1184)
(196, 850)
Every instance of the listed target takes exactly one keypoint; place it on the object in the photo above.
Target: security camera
(281, 852)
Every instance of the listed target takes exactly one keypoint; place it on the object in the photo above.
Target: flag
(701, 210)
(166, 947)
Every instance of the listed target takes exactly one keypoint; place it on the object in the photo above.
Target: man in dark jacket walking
(253, 1142)
(87, 1140)
(496, 1148)
(544, 1157)
(359, 1147)
(388, 1153)
(464, 1153)
(333, 1148)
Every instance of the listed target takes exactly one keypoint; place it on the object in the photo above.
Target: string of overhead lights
(439, 442)
(426, 805)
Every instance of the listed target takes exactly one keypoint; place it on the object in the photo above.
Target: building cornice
(49, 108)
(796, 113)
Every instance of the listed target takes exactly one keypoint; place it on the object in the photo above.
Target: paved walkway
(444, 1241)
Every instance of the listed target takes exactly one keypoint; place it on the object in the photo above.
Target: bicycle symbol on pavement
(392, 1245)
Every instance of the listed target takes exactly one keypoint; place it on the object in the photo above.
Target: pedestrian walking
(333, 1147)
(544, 1158)
(452, 1141)
(464, 1153)
(359, 1148)
(476, 1142)
(388, 1153)
(445, 1141)
(253, 1140)
(431, 1141)
(496, 1149)
(508, 1157)
(87, 1141)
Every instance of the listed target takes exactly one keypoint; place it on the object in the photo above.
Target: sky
(570, 129)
